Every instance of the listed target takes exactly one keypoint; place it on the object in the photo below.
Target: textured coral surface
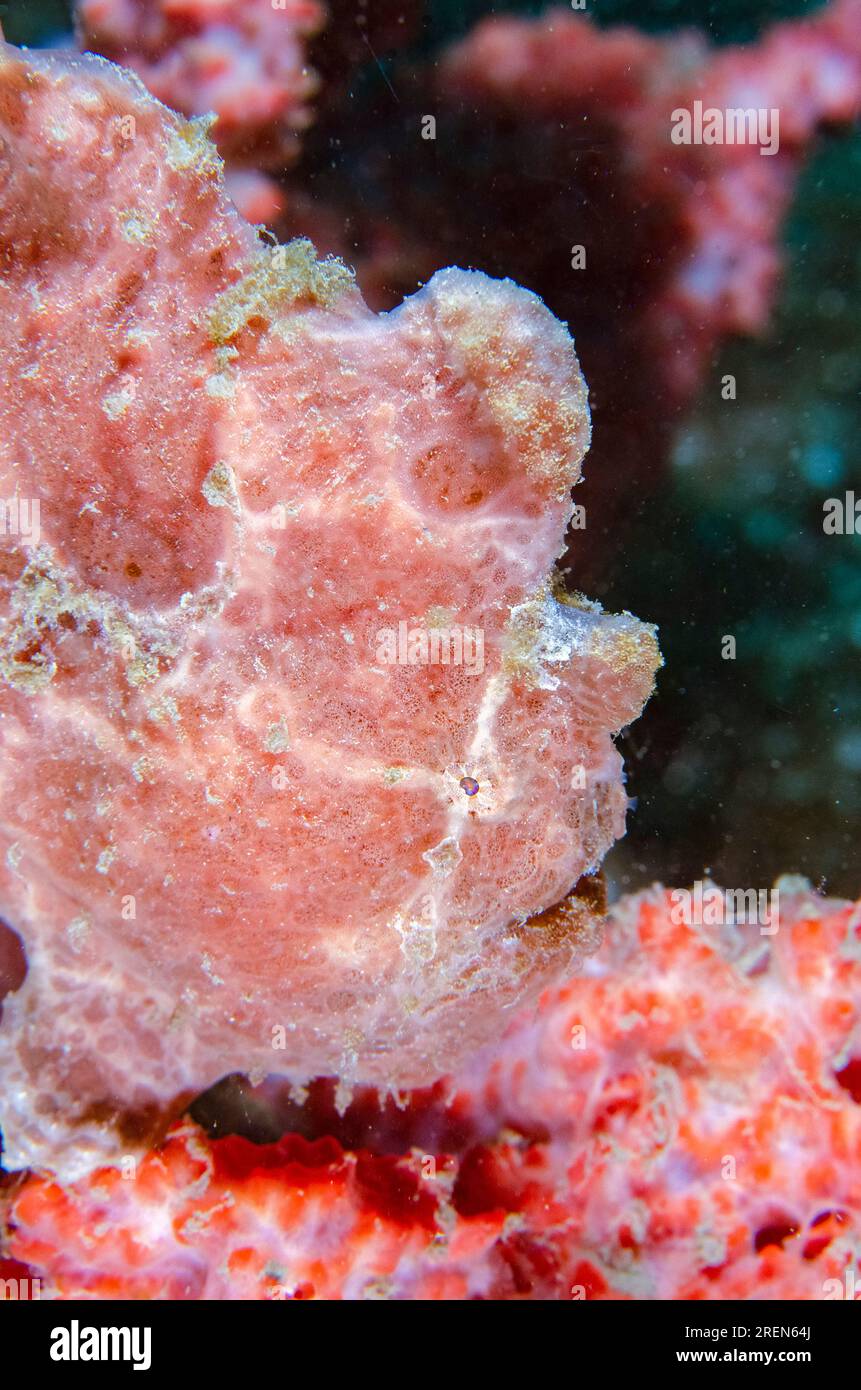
(237, 832)
(683, 1120)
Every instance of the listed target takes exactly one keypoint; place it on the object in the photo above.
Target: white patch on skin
(116, 403)
(134, 227)
(77, 933)
(106, 859)
(220, 385)
(444, 857)
(208, 969)
(277, 738)
(219, 487)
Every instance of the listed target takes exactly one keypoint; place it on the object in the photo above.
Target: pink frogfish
(303, 743)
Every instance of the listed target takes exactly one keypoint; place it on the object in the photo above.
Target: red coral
(698, 1144)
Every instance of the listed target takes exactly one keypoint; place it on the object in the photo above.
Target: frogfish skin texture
(302, 744)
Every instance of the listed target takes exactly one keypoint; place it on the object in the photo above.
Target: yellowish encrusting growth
(553, 627)
(219, 486)
(284, 276)
(543, 412)
(189, 147)
(634, 646)
(46, 605)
